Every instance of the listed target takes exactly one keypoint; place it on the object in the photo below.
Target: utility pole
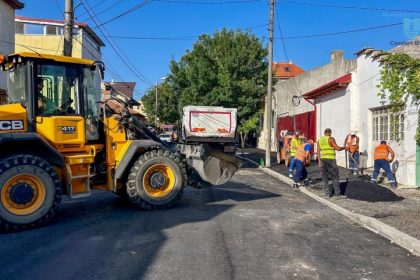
(68, 28)
(156, 104)
(269, 89)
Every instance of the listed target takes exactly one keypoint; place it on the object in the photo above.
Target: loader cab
(60, 95)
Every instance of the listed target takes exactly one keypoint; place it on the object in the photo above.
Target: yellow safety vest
(327, 152)
(294, 145)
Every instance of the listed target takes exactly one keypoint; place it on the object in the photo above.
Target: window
(19, 27)
(58, 88)
(287, 69)
(16, 85)
(51, 30)
(92, 90)
(387, 125)
(34, 29)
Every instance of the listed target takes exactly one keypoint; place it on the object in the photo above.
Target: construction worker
(326, 149)
(295, 143)
(303, 155)
(352, 146)
(382, 160)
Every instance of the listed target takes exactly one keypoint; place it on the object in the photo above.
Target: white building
(351, 102)
(7, 36)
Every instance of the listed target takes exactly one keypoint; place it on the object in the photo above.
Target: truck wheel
(156, 180)
(30, 192)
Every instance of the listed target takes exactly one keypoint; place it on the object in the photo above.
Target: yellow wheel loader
(57, 138)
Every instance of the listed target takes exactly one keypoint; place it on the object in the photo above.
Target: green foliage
(400, 80)
(250, 124)
(167, 104)
(226, 69)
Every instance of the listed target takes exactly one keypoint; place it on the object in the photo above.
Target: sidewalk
(398, 208)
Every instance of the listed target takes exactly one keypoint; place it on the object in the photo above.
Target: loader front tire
(156, 180)
(30, 192)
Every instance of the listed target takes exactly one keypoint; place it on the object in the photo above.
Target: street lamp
(156, 101)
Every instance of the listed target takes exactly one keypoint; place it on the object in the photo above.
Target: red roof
(286, 70)
(329, 87)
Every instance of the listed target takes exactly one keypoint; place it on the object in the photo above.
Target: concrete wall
(284, 90)
(7, 33)
(333, 111)
(368, 77)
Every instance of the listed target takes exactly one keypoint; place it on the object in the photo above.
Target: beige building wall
(47, 44)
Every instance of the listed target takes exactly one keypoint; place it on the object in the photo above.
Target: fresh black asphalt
(254, 227)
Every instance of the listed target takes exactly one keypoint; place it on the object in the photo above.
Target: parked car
(165, 137)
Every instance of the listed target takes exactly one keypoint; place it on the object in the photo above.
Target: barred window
(387, 125)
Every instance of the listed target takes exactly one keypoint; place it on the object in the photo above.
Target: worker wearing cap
(326, 149)
(301, 158)
(382, 160)
(352, 146)
(295, 143)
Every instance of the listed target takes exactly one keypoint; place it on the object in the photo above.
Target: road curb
(394, 235)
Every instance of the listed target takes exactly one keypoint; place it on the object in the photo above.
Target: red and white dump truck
(209, 136)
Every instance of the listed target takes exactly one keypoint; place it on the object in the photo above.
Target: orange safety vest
(381, 152)
(352, 143)
(301, 153)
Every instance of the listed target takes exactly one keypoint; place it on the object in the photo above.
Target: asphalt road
(254, 227)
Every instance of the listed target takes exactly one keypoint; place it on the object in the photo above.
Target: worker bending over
(295, 143)
(326, 158)
(382, 160)
(352, 146)
(301, 158)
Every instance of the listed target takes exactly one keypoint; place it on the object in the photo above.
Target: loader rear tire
(30, 192)
(156, 180)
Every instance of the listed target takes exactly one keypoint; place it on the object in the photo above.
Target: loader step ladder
(78, 174)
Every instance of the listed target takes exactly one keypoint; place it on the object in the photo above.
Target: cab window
(91, 96)
(57, 90)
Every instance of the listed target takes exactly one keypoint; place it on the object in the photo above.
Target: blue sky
(176, 18)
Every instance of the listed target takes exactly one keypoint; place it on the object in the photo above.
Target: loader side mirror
(101, 67)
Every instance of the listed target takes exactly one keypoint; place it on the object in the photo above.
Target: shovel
(347, 172)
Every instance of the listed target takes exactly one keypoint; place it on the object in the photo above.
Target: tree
(400, 83)
(167, 110)
(226, 69)
(247, 126)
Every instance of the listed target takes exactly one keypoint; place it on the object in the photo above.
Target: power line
(114, 46)
(173, 38)
(207, 2)
(109, 8)
(350, 7)
(144, 3)
(98, 4)
(109, 66)
(340, 32)
(281, 33)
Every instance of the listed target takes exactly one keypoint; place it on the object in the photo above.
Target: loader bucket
(218, 168)
(214, 167)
